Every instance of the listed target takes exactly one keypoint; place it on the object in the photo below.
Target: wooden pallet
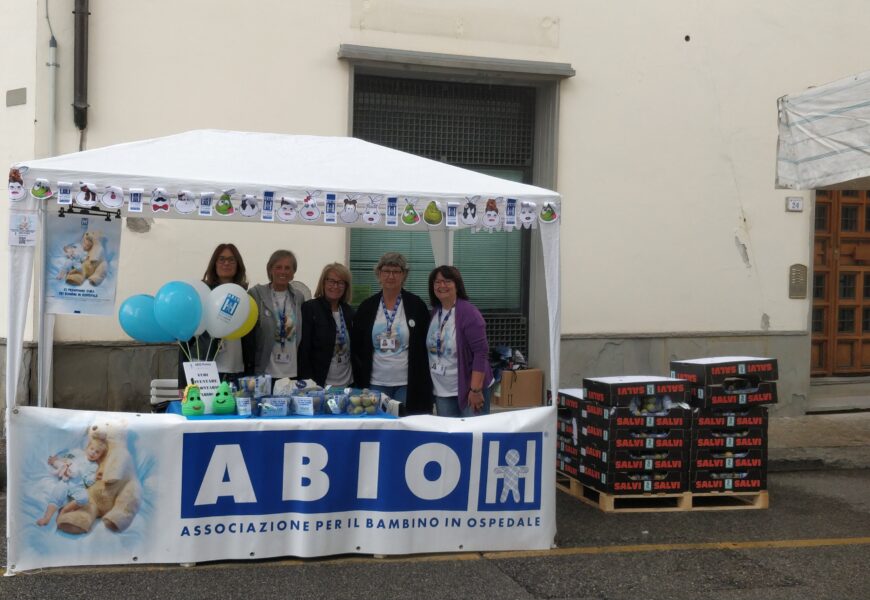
(684, 501)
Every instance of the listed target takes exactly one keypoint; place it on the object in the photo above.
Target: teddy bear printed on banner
(469, 211)
(116, 496)
(87, 195)
(224, 205)
(112, 197)
(372, 213)
(287, 209)
(159, 200)
(16, 184)
(249, 206)
(410, 216)
(491, 215)
(433, 215)
(528, 214)
(348, 212)
(185, 202)
(548, 213)
(41, 190)
(310, 211)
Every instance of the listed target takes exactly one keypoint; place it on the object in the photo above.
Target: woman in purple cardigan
(457, 348)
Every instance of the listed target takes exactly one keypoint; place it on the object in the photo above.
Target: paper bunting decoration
(528, 215)
(469, 211)
(348, 212)
(329, 210)
(159, 200)
(224, 205)
(268, 212)
(310, 211)
(410, 216)
(371, 214)
(135, 205)
(548, 213)
(249, 206)
(185, 202)
(491, 215)
(113, 197)
(87, 195)
(433, 214)
(452, 214)
(16, 185)
(41, 190)
(64, 193)
(287, 209)
(206, 204)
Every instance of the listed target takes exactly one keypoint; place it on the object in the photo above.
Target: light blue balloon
(178, 309)
(136, 316)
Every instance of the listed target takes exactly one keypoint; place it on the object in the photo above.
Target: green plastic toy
(224, 403)
(191, 404)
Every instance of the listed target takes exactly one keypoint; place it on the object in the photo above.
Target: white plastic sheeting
(824, 135)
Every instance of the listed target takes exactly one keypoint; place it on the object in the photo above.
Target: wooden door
(841, 284)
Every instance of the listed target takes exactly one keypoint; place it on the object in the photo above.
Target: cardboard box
(635, 390)
(741, 480)
(622, 482)
(623, 417)
(520, 388)
(729, 439)
(716, 370)
(628, 461)
(728, 460)
(724, 397)
(755, 416)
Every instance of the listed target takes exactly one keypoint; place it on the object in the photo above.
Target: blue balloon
(136, 316)
(178, 309)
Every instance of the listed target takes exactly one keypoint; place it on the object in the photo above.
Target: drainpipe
(80, 76)
(52, 94)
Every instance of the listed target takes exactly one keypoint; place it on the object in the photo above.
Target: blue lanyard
(440, 331)
(282, 318)
(390, 317)
(341, 338)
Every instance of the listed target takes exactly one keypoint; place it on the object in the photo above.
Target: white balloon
(228, 307)
(204, 294)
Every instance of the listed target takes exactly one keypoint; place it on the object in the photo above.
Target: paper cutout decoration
(372, 214)
(16, 185)
(348, 212)
(510, 214)
(469, 211)
(135, 205)
(548, 213)
(64, 193)
(410, 216)
(185, 202)
(249, 206)
(41, 190)
(224, 205)
(113, 197)
(391, 219)
(491, 216)
(159, 200)
(329, 210)
(206, 204)
(452, 214)
(87, 196)
(268, 213)
(433, 215)
(310, 211)
(287, 209)
(528, 215)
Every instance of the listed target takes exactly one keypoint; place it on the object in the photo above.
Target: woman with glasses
(388, 341)
(225, 266)
(458, 349)
(327, 320)
(271, 346)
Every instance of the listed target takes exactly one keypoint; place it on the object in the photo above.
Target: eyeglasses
(443, 283)
(335, 282)
(227, 260)
(391, 272)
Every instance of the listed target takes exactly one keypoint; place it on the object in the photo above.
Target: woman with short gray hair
(388, 341)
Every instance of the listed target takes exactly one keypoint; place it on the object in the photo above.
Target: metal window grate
(507, 329)
(457, 123)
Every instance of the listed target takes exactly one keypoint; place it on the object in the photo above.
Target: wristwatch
(475, 390)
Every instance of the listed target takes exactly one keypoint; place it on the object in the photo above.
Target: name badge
(282, 357)
(387, 343)
(438, 369)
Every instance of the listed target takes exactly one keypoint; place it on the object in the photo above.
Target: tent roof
(823, 136)
(213, 160)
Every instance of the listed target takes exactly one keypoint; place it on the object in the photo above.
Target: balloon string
(185, 352)
(208, 352)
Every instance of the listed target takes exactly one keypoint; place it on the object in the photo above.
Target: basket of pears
(363, 402)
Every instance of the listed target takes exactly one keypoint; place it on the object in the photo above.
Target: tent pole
(43, 398)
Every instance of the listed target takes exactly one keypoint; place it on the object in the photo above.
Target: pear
(432, 215)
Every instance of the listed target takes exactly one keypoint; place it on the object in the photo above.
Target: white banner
(163, 489)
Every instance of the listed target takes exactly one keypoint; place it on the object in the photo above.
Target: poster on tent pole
(172, 490)
(81, 259)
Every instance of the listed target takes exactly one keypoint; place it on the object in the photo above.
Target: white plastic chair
(163, 391)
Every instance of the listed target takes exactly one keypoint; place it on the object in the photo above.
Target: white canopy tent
(824, 136)
(291, 167)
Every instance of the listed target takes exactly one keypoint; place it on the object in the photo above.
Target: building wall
(672, 228)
